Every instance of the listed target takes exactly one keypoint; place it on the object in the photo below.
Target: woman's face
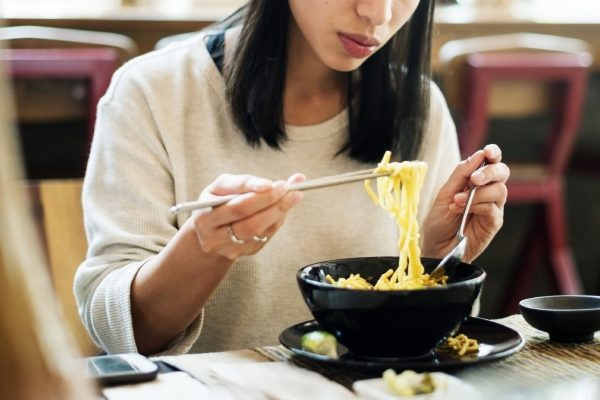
(344, 33)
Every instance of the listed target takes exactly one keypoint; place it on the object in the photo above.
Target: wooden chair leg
(563, 269)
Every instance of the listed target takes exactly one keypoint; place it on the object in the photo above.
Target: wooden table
(273, 372)
(580, 19)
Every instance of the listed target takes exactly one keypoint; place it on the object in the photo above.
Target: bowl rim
(323, 285)
(523, 303)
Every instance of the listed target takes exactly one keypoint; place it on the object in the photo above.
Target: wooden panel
(66, 246)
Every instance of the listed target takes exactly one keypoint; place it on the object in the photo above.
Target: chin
(346, 64)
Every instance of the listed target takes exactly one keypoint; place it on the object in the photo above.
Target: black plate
(495, 341)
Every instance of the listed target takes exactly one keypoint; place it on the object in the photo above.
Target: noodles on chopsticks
(398, 194)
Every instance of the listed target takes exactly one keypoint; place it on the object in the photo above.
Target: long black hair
(390, 108)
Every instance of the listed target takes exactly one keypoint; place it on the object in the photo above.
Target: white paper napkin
(172, 385)
(198, 364)
(281, 380)
(448, 388)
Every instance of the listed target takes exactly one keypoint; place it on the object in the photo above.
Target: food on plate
(462, 344)
(409, 383)
(398, 194)
(392, 386)
(320, 342)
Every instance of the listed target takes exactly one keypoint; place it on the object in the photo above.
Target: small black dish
(392, 323)
(495, 341)
(566, 318)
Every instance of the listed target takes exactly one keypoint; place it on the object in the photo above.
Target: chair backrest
(39, 37)
(566, 75)
(94, 65)
(58, 213)
(507, 76)
(59, 75)
(531, 97)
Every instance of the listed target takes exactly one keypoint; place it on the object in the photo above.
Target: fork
(454, 257)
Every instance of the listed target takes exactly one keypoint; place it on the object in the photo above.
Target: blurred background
(537, 96)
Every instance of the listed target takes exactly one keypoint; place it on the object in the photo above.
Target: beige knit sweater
(163, 134)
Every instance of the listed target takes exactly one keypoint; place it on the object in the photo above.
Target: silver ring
(232, 236)
(261, 239)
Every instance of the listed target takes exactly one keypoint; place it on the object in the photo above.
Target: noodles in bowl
(387, 323)
(374, 310)
(398, 194)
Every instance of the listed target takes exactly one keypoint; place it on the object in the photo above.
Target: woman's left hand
(487, 208)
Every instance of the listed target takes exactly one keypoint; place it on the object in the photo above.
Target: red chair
(44, 37)
(93, 66)
(562, 76)
(59, 75)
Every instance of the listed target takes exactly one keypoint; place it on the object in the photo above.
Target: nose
(378, 12)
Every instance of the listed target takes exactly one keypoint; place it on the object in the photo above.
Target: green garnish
(320, 342)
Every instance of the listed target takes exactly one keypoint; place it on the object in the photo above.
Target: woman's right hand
(240, 226)
(197, 259)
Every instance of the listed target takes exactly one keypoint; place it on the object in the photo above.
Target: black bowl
(397, 323)
(566, 318)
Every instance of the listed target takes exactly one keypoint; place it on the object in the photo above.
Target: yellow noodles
(355, 281)
(462, 344)
(398, 194)
(409, 383)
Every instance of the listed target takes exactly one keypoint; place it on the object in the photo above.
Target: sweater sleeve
(127, 192)
(440, 150)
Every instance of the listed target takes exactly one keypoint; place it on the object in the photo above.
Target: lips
(358, 46)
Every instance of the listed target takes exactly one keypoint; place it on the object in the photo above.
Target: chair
(95, 66)
(59, 76)
(40, 37)
(514, 76)
(58, 213)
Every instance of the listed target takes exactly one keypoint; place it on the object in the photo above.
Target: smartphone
(119, 369)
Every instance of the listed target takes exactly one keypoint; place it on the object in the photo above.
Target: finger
(212, 239)
(492, 153)
(233, 184)
(272, 230)
(296, 178)
(492, 193)
(256, 224)
(246, 205)
(232, 246)
(208, 222)
(290, 200)
(293, 198)
(498, 172)
(227, 240)
(269, 232)
(261, 221)
(461, 175)
(489, 209)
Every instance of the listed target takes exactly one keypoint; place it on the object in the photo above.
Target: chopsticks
(316, 183)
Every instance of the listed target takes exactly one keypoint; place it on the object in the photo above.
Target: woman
(38, 361)
(298, 86)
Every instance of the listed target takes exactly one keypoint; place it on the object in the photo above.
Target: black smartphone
(119, 369)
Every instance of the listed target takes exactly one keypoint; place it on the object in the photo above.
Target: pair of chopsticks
(316, 183)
